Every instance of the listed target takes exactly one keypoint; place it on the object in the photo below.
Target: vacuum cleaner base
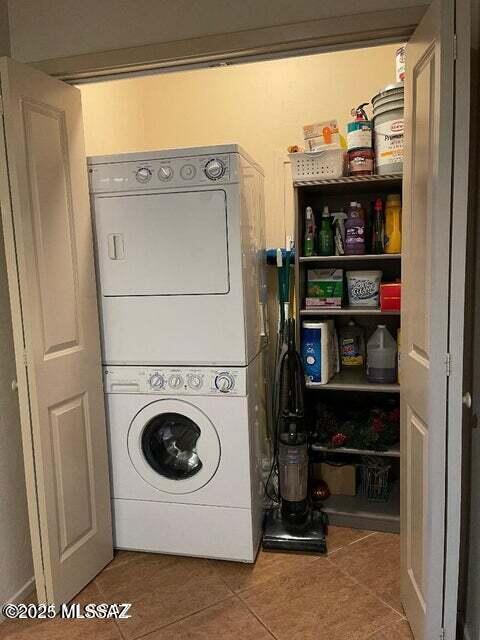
(282, 535)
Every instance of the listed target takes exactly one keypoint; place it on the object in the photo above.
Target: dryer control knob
(175, 381)
(215, 169)
(156, 381)
(224, 382)
(143, 174)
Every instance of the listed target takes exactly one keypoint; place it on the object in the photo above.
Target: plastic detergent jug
(352, 345)
(325, 235)
(393, 224)
(354, 232)
(382, 357)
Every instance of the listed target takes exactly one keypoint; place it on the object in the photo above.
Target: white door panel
(162, 244)
(46, 217)
(427, 198)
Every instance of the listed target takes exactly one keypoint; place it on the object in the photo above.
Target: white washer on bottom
(186, 447)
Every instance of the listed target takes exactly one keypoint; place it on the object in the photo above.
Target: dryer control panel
(163, 173)
(195, 381)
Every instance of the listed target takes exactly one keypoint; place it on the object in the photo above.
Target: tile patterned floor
(352, 594)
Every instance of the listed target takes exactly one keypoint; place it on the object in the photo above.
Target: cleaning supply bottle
(377, 228)
(382, 357)
(352, 345)
(354, 232)
(393, 224)
(309, 240)
(339, 218)
(325, 235)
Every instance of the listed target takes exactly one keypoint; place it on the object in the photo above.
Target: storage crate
(321, 165)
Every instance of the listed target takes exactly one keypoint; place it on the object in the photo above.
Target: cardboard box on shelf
(324, 288)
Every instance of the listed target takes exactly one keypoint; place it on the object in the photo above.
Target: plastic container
(318, 350)
(352, 345)
(354, 232)
(382, 357)
(324, 165)
(378, 234)
(359, 135)
(361, 162)
(388, 129)
(400, 56)
(325, 235)
(393, 224)
(309, 240)
(363, 288)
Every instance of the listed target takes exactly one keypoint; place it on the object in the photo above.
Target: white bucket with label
(388, 129)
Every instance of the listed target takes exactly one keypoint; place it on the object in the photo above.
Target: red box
(390, 296)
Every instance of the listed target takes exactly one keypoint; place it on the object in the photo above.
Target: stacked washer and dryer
(180, 262)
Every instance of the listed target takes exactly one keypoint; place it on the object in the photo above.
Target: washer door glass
(174, 446)
(169, 444)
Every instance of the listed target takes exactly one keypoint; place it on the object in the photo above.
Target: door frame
(335, 33)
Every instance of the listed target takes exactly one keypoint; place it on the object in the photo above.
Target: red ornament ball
(339, 439)
(320, 491)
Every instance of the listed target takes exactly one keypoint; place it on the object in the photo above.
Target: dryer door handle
(116, 246)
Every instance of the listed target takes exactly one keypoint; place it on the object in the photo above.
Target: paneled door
(48, 239)
(431, 489)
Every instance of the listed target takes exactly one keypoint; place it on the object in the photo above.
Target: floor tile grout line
(367, 588)
(182, 619)
(102, 594)
(264, 624)
(387, 626)
(349, 544)
(257, 617)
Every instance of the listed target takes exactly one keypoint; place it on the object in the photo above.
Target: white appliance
(186, 458)
(180, 256)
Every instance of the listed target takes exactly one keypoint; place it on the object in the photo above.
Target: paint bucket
(388, 129)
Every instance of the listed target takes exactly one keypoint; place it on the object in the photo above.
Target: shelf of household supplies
(362, 258)
(348, 311)
(392, 452)
(357, 512)
(353, 379)
(350, 180)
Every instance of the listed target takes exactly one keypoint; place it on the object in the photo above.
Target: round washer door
(174, 446)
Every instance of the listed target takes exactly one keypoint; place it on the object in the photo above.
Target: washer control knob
(156, 381)
(224, 382)
(194, 381)
(215, 169)
(175, 381)
(143, 174)
(165, 173)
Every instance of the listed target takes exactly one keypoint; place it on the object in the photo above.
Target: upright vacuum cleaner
(290, 525)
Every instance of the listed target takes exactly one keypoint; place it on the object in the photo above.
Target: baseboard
(24, 594)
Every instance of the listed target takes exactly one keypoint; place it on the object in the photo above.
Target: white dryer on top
(180, 256)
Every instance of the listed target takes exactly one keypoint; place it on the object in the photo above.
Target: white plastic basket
(319, 165)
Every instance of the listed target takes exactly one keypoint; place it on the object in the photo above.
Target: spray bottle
(339, 218)
(309, 240)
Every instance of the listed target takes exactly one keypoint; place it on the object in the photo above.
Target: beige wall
(42, 29)
(262, 106)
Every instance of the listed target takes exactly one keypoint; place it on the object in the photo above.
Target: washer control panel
(164, 173)
(175, 380)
